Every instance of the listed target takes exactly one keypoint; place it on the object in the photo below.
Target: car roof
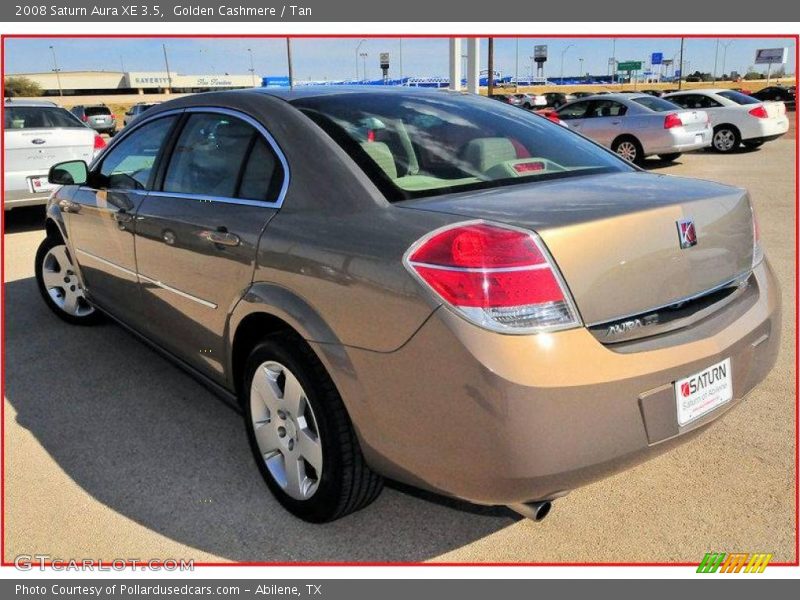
(15, 102)
(313, 91)
(703, 91)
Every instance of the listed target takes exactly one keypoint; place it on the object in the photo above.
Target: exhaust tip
(535, 511)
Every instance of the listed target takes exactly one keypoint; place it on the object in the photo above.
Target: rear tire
(629, 148)
(672, 157)
(301, 435)
(59, 285)
(726, 139)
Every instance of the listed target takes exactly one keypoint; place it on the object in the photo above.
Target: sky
(336, 58)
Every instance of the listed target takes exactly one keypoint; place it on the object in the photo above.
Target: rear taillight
(497, 277)
(84, 118)
(759, 112)
(758, 249)
(672, 120)
(99, 143)
(113, 117)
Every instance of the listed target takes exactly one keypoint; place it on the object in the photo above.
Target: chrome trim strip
(106, 262)
(738, 280)
(480, 269)
(180, 293)
(220, 199)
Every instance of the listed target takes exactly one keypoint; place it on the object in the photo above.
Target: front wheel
(301, 435)
(629, 149)
(59, 285)
(670, 157)
(726, 139)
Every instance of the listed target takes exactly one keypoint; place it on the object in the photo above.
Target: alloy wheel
(627, 150)
(286, 430)
(724, 139)
(62, 284)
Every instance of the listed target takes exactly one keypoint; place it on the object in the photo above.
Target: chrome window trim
(277, 203)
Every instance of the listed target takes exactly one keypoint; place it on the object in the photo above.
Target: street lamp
(252, 68)
(363, 56)
(57, 71)
(358, 47)
(580, 71)
(725, 53)
(563, 52)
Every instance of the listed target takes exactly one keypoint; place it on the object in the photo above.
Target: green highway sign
(631, 65)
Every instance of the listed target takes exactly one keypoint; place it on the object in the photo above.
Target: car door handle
(224, 238)
(615, 122)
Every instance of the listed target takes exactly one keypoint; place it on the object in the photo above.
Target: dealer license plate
(702, 392)
(40, 185)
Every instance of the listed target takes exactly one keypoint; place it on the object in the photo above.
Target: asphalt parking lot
(112, 452)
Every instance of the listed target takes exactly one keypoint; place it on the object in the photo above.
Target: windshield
(656, 104)
(738, 97)
(38, 117)
(414, 145)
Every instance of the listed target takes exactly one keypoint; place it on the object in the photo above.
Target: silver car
(37, 135)
(638, 125)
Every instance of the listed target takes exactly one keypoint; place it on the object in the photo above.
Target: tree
(21, 86)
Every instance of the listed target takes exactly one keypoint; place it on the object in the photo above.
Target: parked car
(737, 118)
(656, 93)
(136, 110)
(557, 99)
(778, 93)
(637, 125)
(531, 101)
(497, 309)
(37, 135)
(97, 116)
(511, 99)
(578, 95)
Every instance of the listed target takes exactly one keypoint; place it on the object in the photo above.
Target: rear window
(92, 111)
(38, 117)
(656, 104)
(413, 145)
(738, 97)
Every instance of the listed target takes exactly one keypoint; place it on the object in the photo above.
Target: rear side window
(656, 104)
(576, 110)
(607, 108)
(220, 155)
(38, 117)
(738, 97)
(92, 111)
(130, 163)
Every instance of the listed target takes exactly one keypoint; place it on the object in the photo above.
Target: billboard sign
(771, 56)
(656, 58)
(630, 65)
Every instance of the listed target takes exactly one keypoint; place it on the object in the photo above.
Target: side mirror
(72, 172)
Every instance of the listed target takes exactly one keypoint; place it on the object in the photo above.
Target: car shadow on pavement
(27, 218)
(149, 442)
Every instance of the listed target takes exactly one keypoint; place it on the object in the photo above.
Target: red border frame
(795, 37)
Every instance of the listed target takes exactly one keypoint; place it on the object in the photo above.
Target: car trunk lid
(39, 149)
(693, 120)
(615, 238)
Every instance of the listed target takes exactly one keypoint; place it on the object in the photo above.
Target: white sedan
(736, 118)
(37, 135)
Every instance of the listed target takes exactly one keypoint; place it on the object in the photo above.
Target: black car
(557, 99)
(656, 93)
(777, 93)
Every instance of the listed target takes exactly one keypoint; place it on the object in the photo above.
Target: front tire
(630, 149)
(59, 285)
(726, 139)
(301, 435)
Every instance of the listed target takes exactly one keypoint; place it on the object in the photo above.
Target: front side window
(38, 117)
(607, 108)
(223, 156)
(422, 144)
(129, 164)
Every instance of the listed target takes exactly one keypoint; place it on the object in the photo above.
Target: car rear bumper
(20, 198)
(765, 129)
(502, 419)
(679, 140)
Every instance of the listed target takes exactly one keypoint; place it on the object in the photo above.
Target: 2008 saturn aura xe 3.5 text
(426, 286)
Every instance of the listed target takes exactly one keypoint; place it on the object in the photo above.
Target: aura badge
(687, 235)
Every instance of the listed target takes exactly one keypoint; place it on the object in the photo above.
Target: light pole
(358, 47)
(57, 71)
(563, 52)
(580, 71)
(363, 56)
(252, 67)
(725, 53)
